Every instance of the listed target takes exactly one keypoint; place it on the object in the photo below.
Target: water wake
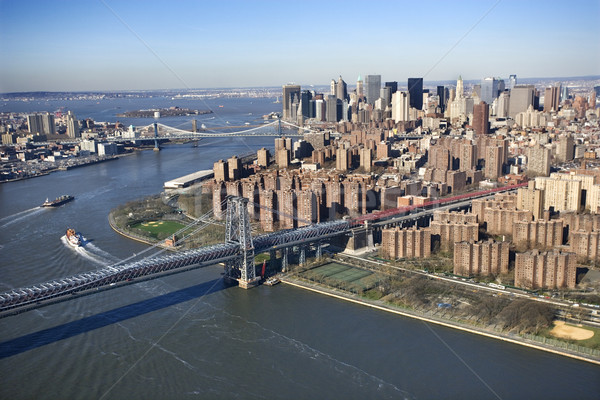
(11, 219)
(97, 255)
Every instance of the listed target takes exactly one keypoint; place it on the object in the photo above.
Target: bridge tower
(156, 147)
(237, 230)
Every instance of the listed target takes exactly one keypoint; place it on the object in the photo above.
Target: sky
(86, 45)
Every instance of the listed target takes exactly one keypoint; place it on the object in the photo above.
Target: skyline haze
(109, 45)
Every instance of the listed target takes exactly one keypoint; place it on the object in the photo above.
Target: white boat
(73, 238)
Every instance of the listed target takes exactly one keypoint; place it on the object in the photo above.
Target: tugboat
(58, 201)
(73, 237)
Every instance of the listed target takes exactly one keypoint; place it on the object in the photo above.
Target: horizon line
(587, 77)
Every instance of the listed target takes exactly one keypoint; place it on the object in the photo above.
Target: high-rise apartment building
(481, 258)
(550, 270)
(415, 88)
(35, 124)
(481, 124)
(406, 243)
(72, 126)
(538, 160)
(373, 84)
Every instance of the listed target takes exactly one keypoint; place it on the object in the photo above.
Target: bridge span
(237, 253)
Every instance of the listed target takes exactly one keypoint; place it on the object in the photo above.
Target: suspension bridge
(236, 253)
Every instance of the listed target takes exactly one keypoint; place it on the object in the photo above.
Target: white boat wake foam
(11, 219)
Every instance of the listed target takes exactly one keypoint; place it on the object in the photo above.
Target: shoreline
(448, 324)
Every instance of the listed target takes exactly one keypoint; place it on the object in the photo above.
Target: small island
(164, 112)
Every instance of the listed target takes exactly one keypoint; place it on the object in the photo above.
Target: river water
(190, 336)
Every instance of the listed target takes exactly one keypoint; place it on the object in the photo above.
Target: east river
(190, 336)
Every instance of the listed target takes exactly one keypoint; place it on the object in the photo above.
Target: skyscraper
(72, 126)
(489, 89)
(551, 98)
(521, 97)
(441, 92)
(415, 88)
(331, 109)
(373, 83)
(35, 124)
(306, 105)
(48, 124)
(393, 86)
(481, 114)
(359, 87)
(460, 90)
(341, 91)
(512, 82)
(289, 93)
(400, 106)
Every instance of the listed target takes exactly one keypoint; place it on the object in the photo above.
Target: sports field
(343, 276)
(155, 228)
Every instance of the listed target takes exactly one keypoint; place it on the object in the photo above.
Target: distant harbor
(164, 112)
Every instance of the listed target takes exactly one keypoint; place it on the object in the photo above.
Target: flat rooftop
(190, 179)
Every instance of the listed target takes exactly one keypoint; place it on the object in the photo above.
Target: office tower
(441, 93)
(400, 106)
(35, 124)
(386, 94)
(359, 87)
(320, 110)
(290, 93)
(481, 113)
(72, 126)
(415, 88)
(341, 91)
(332, 89)
(392, 85)
(460, 90)
(305, 104)
(502, 105)
(551, 98)
(490, 87)
(521, 97)
(373, 84)
(331, 109)
(512, 82)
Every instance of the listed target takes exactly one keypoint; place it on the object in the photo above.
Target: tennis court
(344, 275)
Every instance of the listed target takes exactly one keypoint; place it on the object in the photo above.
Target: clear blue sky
(119, 45)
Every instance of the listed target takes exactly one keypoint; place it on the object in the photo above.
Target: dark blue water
(189, 336)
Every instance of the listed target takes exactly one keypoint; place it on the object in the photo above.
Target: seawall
(367, 303)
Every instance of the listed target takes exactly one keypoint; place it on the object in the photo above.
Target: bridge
(158, 132)
(237, 253)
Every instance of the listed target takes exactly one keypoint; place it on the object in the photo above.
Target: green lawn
(155, 228)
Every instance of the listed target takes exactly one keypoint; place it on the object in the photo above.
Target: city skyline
(107, 45)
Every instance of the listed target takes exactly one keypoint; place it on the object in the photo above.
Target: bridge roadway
(109, 277)
(23, 299)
